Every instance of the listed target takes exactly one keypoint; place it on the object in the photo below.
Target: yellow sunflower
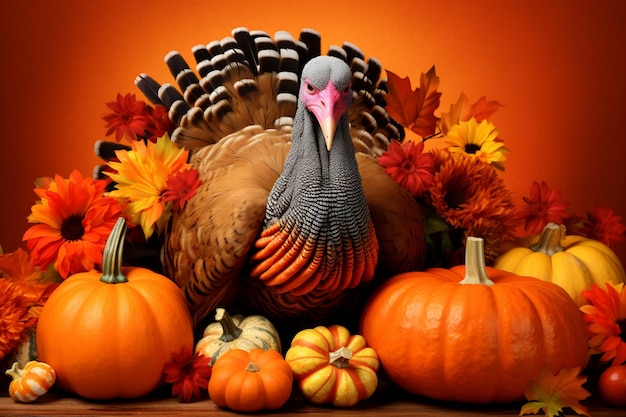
(478, 140)
(141, 176)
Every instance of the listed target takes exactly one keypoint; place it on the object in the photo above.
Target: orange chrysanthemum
(409, 166)
(606, 316)
(73, 221)
(22, 295)
(469, 195)
(13, 316)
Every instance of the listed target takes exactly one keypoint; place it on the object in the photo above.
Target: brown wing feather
(208, 242)
(398, 220)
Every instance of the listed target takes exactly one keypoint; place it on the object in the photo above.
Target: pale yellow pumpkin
(573, 262)
(237, 332)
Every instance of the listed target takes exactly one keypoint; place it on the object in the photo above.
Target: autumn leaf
(414, 109)
(462, 111)
(551, 393)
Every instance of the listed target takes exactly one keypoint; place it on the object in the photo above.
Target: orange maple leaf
(462, 111)
(551, 393)
(414, 109)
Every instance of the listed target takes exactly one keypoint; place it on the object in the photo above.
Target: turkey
(294, 212)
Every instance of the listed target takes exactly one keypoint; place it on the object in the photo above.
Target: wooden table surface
(387, 401)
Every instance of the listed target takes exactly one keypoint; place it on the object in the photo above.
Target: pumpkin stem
(230, 331)
(112, 256)
(15, 372)
(550, 239)
(341, 357)
(475, 269)
(252, 367)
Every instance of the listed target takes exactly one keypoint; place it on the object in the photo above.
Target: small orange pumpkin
(573, 262)
(472, 333)
(31, 382)
(332, 366)
(108, 335)
(250, 381)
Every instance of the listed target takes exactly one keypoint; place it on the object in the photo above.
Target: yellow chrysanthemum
(479, 140)
(141, 176)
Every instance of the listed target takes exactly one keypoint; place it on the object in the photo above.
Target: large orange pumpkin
(472, 333)
(108, 335)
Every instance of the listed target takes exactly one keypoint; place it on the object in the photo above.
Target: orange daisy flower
(606, 316)
(73, 221)
(469, 195)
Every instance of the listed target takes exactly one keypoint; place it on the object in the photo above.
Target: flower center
(72, 228)
(408, 166)
(471, 148)
(454, 197)
(622, 328)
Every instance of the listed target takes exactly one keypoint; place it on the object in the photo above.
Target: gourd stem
(230, 331)
(341, 357)
(252, 367)
(550, 239)
(475, 269)
(112, 256)
(15, 372)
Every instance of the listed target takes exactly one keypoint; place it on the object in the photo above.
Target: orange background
(557, 66)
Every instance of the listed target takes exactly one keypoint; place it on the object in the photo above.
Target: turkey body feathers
(282, 223)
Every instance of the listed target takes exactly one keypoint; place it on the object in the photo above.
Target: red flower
(606, 316)
(130, 117)
(181, 186)
(409, 166)
(604, 225)
(543, 206)
(160, 123)
(188, 374)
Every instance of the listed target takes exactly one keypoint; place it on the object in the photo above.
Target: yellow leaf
(551, 393)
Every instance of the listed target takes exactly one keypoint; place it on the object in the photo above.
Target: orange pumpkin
(332, 366)
(108, 335)
(31, 382)
(472, 333)
(250, 381)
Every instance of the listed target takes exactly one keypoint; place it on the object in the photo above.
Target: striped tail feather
(251, 78)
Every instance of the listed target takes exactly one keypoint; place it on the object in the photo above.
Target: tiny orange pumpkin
(31, 382)
(332, 366)
(250, 381)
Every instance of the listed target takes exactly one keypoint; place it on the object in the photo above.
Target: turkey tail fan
(251, 78)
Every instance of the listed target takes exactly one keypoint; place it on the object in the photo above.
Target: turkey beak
(328, 128)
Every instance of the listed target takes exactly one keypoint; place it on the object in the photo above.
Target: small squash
(472, 333)
(237, 332)
(250, 381)
(332, 366)
(573, 262)
(109, 334)
(31, 382)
